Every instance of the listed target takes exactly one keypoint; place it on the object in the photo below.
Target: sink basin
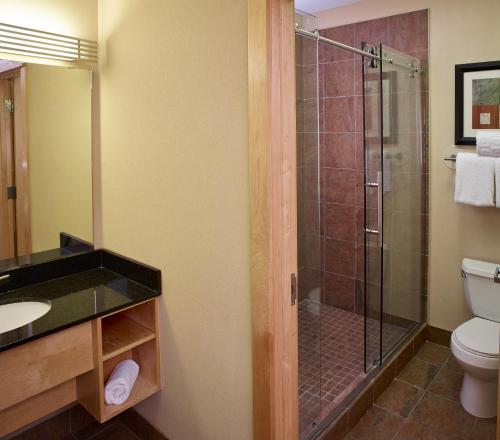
(14, 314)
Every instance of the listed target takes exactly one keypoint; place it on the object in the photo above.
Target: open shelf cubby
(128, 334)
(146, 383)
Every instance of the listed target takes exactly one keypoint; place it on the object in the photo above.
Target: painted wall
(175, 195)
(59, 154)
(460, 32)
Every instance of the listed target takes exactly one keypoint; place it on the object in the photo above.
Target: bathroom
(275, 228)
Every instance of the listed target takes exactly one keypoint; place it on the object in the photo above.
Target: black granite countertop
(75, 298)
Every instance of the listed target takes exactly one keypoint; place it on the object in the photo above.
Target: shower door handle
(380, 208)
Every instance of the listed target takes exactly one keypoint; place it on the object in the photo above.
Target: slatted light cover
(33, 43)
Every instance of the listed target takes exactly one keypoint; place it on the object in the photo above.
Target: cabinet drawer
(42, 364)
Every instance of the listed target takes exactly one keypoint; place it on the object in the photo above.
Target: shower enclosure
(361, 214)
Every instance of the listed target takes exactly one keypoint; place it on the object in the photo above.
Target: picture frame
(477, 100)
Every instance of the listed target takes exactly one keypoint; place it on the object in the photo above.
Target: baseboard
(438, 335)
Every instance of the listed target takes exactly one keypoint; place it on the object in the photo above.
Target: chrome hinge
(496, 278)
(11, 193)
(9, 105)
(293, 289)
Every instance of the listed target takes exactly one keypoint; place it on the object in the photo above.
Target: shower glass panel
(403, 198)
(308, 221)
(372, 212)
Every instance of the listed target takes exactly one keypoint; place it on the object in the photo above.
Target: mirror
(45, 160)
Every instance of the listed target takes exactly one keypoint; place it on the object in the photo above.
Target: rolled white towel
(488, 143)
(120, 383)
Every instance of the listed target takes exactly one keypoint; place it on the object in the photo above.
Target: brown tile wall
(342, 152)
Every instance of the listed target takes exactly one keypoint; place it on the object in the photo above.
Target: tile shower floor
(331, 358)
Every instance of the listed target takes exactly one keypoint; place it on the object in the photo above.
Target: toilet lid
(479, 335)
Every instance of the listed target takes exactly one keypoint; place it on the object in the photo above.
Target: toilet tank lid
(479, 268)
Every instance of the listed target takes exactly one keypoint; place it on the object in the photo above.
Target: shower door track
(316, 36)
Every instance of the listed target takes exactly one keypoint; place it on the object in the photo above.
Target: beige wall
(175, 194)
(59, 154)
(461, 31)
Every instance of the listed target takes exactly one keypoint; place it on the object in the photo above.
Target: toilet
(475, 342)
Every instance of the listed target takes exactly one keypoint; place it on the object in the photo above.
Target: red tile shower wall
(342, 155)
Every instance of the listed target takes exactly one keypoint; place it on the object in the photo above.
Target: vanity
(103, 309)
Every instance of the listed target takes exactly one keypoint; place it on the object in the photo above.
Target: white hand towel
(120, 383)
(475, 180)
(488, 143)
(497, 181)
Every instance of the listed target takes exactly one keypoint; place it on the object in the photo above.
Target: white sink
(17, 314)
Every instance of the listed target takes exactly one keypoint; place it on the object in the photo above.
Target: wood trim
(23, 218)
(272, 133)
(7, 212)
(41, 405)
(37, 366)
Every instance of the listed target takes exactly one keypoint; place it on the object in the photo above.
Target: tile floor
(76, 424)
(423, 403)
(331, 358)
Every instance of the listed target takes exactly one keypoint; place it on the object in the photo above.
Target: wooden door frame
(272, 149)
(20, 163)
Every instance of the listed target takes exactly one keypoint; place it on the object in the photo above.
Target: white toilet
(475, 343)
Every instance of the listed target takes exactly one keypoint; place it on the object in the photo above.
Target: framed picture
(477, 100)
(372, 118)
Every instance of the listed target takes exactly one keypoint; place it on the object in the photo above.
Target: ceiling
(312, 6)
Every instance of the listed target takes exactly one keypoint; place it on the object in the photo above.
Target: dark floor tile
(436, 418)
(418, 373)
(484, 429)
(433, 353)
(56, 427)
(93, 429)
(80, 418)
(447, 384)
(140, 426)
(400, 398)
(452, 366)
(118, 431)
(376, 424)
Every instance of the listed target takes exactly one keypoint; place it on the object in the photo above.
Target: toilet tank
(481, 290)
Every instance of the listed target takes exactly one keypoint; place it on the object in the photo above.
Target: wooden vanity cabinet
(42, 376)
(128, 334)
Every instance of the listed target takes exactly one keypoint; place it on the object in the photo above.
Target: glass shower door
(373, 255)
(394, 202)
(403, 198)
(310, 276)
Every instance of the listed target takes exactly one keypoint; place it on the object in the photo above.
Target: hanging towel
(120, 383)
(488, 143)
(497, 181)
(475, 180)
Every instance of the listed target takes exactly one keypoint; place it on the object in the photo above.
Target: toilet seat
(479, 337)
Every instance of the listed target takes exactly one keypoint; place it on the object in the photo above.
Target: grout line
(419, 401)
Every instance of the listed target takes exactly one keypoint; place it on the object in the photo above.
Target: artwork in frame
(477, 100)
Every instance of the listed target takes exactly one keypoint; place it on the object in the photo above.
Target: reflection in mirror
(45, 158)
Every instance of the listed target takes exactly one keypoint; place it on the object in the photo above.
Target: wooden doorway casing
(272, 146)
(15, 230)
